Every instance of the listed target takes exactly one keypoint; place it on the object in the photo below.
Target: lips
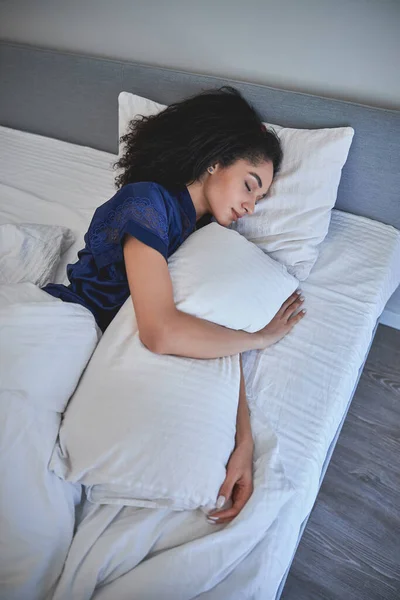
(236, 215)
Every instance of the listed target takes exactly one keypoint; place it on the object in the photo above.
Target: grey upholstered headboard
(74, 98)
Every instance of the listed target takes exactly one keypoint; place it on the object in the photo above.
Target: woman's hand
(283, 321)
(238, 484)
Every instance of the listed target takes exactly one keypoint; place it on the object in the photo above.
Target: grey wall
(346, 49)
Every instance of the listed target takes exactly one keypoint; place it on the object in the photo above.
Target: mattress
(300, 387)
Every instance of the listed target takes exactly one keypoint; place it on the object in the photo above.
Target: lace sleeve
(129, 211)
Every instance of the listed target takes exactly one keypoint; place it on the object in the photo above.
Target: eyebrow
(257, 177)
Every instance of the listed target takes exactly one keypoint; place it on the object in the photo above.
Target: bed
(305, 385)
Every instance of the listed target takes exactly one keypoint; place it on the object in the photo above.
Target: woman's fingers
(296, 318)
(288, 302)
(225, 490)
(295, 305)
(241, 495)
(224, 516)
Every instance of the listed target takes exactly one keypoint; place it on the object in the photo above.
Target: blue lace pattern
(106, 235)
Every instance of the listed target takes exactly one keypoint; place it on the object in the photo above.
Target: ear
(213, 168)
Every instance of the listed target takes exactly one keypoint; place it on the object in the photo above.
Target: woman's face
(232, 192)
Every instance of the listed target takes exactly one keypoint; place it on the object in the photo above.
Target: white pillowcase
(30, 252)
(212, 280)
(294, 219)
(131, 106)
(152, 430)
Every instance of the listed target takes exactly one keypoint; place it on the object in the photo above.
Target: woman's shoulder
(132, 198)
(150, 193)
(140, 188)
(153, 201)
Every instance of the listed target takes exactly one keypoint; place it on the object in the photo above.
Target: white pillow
(150, 430)
(131, 106)
(294, 219)
(31, 252)
(211, 280)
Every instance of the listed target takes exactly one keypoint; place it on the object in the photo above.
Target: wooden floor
(350, 549)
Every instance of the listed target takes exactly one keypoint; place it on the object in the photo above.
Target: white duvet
(45, 345)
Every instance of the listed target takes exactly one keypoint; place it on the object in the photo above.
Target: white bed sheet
(300, 387)
(52, 182)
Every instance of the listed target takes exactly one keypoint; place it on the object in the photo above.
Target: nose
(249, 207)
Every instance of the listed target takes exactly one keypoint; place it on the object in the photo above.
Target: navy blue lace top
(158, 217)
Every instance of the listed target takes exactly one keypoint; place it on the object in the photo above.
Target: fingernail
(302, 298)
(220, 501)
(212, 519)
(304, 310)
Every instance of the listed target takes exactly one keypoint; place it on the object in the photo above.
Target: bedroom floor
(350, 549)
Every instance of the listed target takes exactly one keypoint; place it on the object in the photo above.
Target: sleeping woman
(207, 156)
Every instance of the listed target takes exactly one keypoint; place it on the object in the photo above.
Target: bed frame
(75, 98)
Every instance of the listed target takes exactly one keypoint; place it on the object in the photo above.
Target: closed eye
(247, 186)
(261, 197)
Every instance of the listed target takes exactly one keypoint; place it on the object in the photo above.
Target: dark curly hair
(175, 147)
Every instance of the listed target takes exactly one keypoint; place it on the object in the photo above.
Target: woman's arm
(244, 436)
(238, 484)
(166, 330)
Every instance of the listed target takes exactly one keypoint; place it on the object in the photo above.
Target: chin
(223, 221)
(223, 217)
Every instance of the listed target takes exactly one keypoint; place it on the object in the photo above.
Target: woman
(208, 156)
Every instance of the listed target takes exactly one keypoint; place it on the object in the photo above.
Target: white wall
(346, 49)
